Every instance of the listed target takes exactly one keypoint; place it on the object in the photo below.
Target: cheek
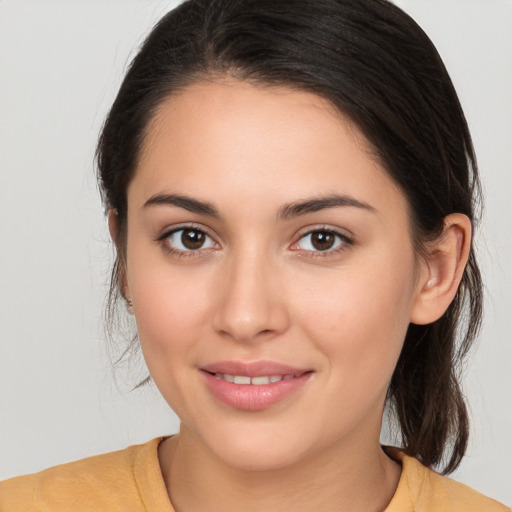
(358, 317)
(171, 309)
(358, 322)
(171, 312)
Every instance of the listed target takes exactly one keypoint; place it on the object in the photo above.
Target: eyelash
(178, 253)
(344, 242)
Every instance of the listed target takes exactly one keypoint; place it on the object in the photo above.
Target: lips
(253, 386)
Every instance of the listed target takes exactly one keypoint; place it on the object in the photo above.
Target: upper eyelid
(166, 232)
(344, 233)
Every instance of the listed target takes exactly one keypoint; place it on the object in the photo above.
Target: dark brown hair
(378, 67)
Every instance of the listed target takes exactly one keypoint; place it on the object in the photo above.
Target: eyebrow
(185, 202)
(288, 211)
(322, 203)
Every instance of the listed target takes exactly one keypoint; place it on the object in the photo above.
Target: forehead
(232, 137)
(239, 111)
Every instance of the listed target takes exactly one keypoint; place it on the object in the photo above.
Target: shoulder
(455, 496)
(425, 490)
(102, 482)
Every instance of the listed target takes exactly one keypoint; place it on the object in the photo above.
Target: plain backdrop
(61, 62)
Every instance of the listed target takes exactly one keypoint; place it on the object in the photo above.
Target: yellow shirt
(130, 480)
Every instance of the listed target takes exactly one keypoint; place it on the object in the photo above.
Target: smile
(254, 386)
(255, 381)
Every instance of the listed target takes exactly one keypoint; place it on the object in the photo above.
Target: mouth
(246, 380)
(254, 386)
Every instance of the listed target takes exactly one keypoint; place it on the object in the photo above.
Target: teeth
(242, 379)
(256, 381)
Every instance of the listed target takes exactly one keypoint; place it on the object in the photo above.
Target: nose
(251, 301)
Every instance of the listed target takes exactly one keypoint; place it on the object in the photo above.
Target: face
(271, 270)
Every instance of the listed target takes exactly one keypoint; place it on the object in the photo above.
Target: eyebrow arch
(316, 204)
(192, 205)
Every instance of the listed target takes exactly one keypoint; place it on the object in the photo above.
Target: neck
(355, 476)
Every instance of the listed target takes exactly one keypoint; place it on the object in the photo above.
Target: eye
(322, 240)
(188, 240)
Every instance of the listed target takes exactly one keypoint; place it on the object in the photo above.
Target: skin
(259, 290)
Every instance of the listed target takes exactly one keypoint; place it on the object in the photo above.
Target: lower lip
(251, 397)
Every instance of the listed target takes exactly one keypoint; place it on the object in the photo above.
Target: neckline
(154, 496)
(412, 484)
(149, 479)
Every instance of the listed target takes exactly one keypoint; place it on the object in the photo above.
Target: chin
(257, 448)
(255, 457)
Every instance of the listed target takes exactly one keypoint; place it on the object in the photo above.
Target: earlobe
(442, 270)
(129, 306)
(113, 226)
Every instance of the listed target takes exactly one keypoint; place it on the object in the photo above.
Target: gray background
(61, 62)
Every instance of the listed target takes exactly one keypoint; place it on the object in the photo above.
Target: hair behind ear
(425, 394)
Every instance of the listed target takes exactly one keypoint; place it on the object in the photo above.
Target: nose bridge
(251, 302)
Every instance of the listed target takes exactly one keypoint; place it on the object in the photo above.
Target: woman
(290, 187)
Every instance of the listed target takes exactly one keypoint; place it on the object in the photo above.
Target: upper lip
(253, 369)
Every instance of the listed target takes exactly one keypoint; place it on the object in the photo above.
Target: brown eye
(188, 239)
(322, 240)
(192, 239)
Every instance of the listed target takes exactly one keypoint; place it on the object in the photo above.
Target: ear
(120, 267)
(442, 270)
(112, 224)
